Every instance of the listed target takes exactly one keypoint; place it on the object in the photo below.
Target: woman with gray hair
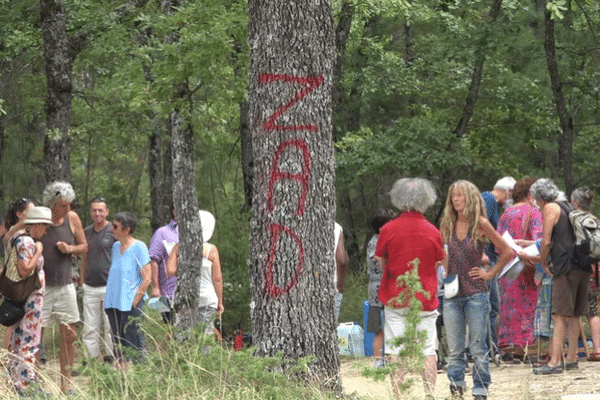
(413, 194)
(63, 239)
(402, 240)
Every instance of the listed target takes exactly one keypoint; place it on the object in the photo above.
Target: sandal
(594, 357)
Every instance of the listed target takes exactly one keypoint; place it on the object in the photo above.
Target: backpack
(586, 228)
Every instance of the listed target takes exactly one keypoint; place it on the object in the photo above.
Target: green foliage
(196, 369)
(412, 341)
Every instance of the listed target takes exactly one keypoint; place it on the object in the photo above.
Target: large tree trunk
(59, 65)
(565, 118)
(186, 299)
(291, 232)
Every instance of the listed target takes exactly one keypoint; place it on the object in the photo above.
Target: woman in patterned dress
(519, 297)
(26, 334)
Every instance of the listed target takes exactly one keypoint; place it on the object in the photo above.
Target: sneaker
(380, 362)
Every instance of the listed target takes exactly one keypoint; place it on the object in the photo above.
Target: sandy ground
(509, 382)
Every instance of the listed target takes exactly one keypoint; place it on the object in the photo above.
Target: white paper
(529, 250)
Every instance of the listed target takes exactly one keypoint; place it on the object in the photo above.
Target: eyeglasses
(22, 201)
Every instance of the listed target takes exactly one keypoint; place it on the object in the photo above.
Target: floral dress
(518, 297)
(26, 334)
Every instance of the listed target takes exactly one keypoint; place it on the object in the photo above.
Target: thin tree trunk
(247, 164)
(463, 123)
(155, 172)
(565, 118)
(291, 232)
(167, 163)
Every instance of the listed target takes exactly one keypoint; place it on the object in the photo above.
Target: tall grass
(198, 368)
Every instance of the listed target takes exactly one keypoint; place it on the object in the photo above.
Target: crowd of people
(499, 298)
(115, 273)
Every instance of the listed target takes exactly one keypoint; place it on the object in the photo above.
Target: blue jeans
(474, 312)
(495, 311)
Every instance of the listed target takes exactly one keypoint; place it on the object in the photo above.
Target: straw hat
(39, 215)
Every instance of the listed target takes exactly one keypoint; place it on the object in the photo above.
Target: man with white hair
(494, 201)
(62, 239)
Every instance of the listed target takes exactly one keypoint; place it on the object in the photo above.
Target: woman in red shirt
(401, 241)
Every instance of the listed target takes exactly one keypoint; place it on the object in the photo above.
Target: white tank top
(208, 294)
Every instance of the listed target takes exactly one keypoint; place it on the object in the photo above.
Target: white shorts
(395, 323)
(60, 304)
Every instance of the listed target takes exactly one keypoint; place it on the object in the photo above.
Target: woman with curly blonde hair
(465, 230)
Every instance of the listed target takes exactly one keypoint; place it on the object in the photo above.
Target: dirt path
(509, 382)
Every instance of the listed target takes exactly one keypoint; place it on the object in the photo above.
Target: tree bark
(565, 118)
(186, 299)
(155, 175)
(247, 164)
(291, 232)
(59, 66)
(463, 123)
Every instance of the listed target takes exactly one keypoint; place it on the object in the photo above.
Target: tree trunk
(167, 173)
(463, 123)
(565, 118)
(186, 299)
(247, 164)
(291, 232)
(155, 173)
(59, 65)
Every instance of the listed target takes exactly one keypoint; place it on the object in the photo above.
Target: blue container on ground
(369, 336)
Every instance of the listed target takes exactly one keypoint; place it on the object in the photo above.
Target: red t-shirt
(402, 240)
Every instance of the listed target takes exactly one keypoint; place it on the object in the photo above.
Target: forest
(443, 89)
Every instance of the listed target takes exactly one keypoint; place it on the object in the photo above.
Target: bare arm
(25, 267)
(217, 277)
(171, 262)
(80, 245)
(381, 262)
(11, 231)
(506, 253)
(154, 279)
(82, 268)
(341, 262)
(550, 217)
(146, 278)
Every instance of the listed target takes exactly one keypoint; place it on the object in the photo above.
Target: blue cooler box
(369, 336)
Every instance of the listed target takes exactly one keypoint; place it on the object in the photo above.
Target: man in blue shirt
(494, 201)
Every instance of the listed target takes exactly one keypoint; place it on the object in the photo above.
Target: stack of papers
(515, 266)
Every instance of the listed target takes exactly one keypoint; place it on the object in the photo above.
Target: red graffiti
(301, 178)
(271, 288)
(277, 230)
(310, 83)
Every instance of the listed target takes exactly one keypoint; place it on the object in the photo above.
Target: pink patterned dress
(26, 334)
(518, 297)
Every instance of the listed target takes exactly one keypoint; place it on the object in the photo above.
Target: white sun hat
(207, 220)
